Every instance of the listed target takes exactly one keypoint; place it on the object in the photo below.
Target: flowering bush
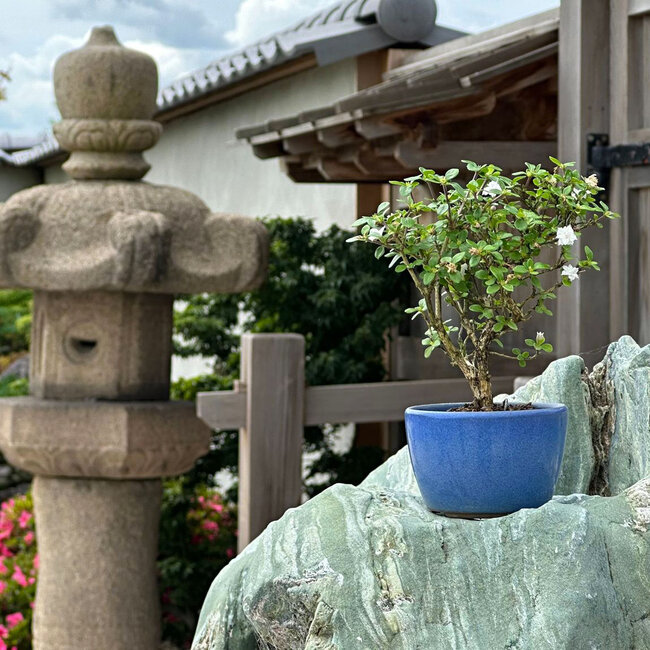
(18, 569)
(479, 248)
(198, 537)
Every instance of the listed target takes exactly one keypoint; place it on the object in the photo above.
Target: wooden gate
(604, 75)
(630, 186)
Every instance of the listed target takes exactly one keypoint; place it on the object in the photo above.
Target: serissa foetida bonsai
(479, 247)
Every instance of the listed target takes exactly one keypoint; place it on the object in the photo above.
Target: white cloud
(172, 62)
(181, 35)
(30, 96)
(258, 18)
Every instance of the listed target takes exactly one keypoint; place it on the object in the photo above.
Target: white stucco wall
(199, 152)
(14, 179)
(55, 174)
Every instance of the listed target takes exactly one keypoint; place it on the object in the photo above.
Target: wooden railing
(270, 405)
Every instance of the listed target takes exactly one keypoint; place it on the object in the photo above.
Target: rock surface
(370, 567)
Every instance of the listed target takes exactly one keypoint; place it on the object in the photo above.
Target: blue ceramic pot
(485, 463)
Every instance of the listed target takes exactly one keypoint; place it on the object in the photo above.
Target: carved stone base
(120, 440)
(97, 542)
(101, 345)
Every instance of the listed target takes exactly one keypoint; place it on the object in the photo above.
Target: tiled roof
(366, 135)
(345, 29)
(44, 149)
(447, 71)
(10, 143)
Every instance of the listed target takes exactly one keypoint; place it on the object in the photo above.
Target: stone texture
(105, 80)
(97, 542)
(564, 382)
(608, 434)
(627, 367)
(370, 567)
(106, 124)
(105, 254)
(119, 236)
(101, 439)
(101, 345)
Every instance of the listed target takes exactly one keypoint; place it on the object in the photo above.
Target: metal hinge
(601, 157)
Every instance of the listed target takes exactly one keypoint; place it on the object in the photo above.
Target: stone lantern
(105, 253)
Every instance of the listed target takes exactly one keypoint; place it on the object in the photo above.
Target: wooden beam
(338, 136)
(581, 319)
(508, 155)
(385, 401)
(343, 403)
(297, 172)
(270, 442)
(300, 144)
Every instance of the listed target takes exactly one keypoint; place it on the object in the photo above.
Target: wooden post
(270, 444)
(582, 311)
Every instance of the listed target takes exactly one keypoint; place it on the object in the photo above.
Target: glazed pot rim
(443, 410)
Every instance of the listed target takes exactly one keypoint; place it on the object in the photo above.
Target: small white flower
(592, 180)
(375, 233)
(566, 236)
(540, 337)
(463, 268)
(492, 189)
(570, 272)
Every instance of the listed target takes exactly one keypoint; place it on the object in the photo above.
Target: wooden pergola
(552, 84)
(488, 95)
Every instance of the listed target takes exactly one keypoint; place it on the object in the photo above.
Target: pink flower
(3, 645)
(230, 553)
(29, 538)
(24, 519)
(37, 561)
(217, 507)
(3, 568)
(19, 577)
(3, 586)
(14, 619)
(4, 632)
(211, 525)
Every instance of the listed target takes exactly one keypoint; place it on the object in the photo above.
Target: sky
(181, 35)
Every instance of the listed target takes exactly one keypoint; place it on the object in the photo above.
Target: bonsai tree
(494, 249)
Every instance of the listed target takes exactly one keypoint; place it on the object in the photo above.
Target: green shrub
(338, 296)
(15, 320)
(198, 537)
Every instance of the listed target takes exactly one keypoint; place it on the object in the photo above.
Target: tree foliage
(338, 296)
(480, 248)
(15, 321)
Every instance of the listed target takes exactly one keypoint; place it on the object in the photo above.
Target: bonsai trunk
(479, 381)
